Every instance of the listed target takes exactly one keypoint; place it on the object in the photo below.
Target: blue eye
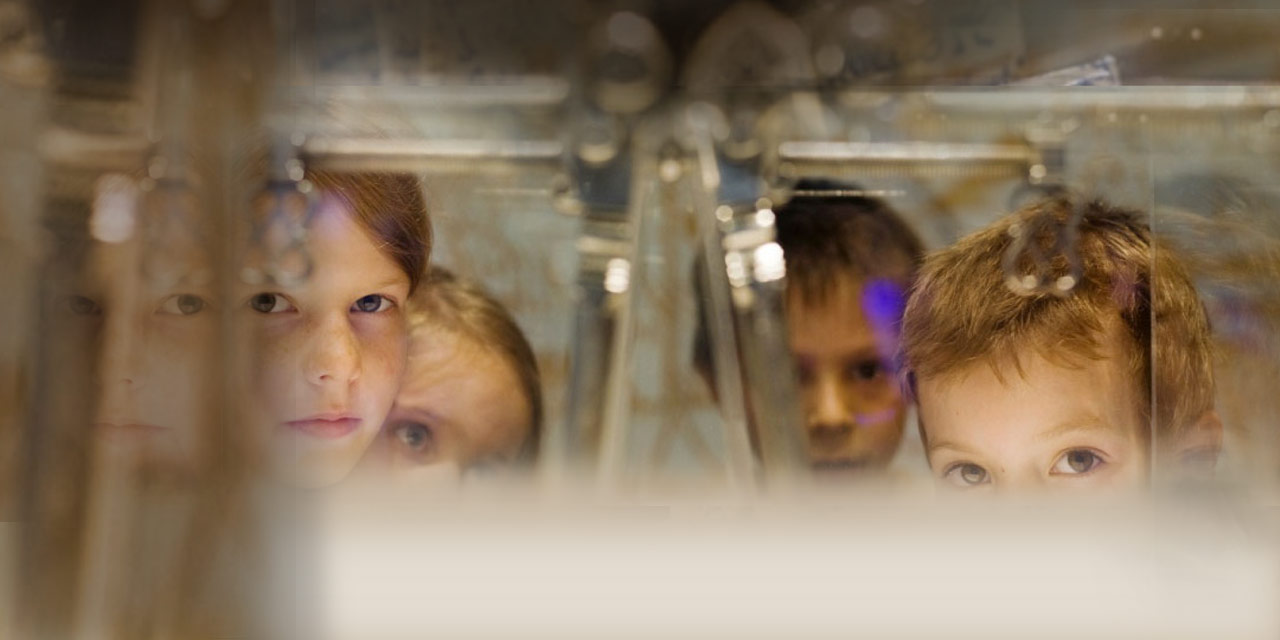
(414, 440)
(372, 303)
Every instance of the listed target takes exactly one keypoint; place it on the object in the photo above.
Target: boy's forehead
(840, 292)
(841, 309)
(1034, 394)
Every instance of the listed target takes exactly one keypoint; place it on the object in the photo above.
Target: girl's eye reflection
(184, 304)
(82, 305)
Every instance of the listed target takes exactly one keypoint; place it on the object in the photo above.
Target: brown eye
(865, 371)
(270, 303)
(804, 372)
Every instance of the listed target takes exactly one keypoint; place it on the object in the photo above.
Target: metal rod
(321, 151)
(910, 152)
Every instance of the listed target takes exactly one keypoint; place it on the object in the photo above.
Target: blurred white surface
(833, 569)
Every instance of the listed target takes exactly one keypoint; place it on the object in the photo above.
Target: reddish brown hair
(391, 208)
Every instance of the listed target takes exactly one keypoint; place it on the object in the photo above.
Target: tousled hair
(963, 312)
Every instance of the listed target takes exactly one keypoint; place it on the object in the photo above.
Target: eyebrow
(1084, 423)
(947, 444)
(392, 281)
(861, 354)
(416, 414)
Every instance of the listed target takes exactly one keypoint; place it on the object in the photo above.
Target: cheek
(1132, 466)
(383, 351)
(179, 366)
(272, 353)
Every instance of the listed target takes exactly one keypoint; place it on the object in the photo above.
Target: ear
(1193, 454)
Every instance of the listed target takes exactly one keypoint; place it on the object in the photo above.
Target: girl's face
(460, 403)
(330, 351)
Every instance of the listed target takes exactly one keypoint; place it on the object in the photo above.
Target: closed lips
(325, 426)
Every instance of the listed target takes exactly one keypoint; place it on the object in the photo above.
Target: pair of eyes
(856, 371)
(182, 304)
(1075, 462)
(279, 303)
(185, 304)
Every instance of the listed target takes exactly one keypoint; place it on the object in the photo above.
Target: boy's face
(854, 409)
(1052, 428)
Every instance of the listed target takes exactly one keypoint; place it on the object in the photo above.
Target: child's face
(1053, 428)
(330, 352)
(460, 403)
(854, 409)
(155, 334)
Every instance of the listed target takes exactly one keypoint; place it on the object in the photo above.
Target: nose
(119, 349)
(119, 366)
(830, 418)
(333, 354)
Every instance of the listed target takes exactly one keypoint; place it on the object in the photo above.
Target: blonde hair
(461, 307)
(961, 311)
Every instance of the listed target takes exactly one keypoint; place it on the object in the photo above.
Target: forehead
(1029, 403)
(845, 319)
(841, 299)
(340, 247)
(466, 387)
(113, 267)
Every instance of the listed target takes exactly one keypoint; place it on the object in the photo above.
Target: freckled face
(330, 351)
(854, 409)
(1055, 428)
(460, 403)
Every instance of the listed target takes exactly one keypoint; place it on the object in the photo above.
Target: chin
(315, 473)
(320, 478)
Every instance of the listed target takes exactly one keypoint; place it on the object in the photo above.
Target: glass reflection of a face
(149, 315)
(330, 350)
